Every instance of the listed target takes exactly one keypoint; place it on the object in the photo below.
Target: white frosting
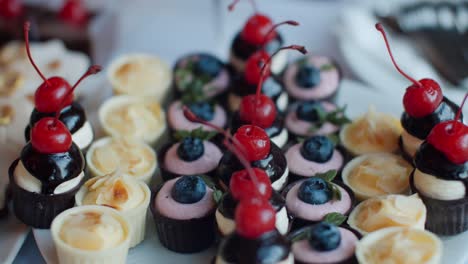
(281, 182)
(235, 100)
(282, 101)
(25, 180)
(281, 139)
(437, 188)
(278, 62)
(289, 260)
(410, 143)
(83, 136)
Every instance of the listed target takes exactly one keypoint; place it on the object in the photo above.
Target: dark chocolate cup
(35, 209)
(184, 236)
(445, 218)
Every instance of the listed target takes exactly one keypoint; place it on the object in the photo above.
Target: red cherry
(260, 111)
(254, 142)
(50, 136)
(424, 96)
(74, 13)
(254, 217)
(242, 186)
(11, 8)
(49, 96)
(256, 30)
(254, 65)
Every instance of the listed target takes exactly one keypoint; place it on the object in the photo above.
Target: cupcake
(193, 154)
(388, 211)
(135, 117)
(373, 132)
(372, 175)
(130, 156)
(91, 234)
(140, 75)
(317, 154)
(399, 245)
(324, 243)
(122, 192)
(201, 74)
(312, 78)
(184, 213)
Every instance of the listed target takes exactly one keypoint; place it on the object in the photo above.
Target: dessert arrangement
(250, 156)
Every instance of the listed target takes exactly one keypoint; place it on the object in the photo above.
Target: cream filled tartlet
(377, 174)
(133, 117)
(312, 78)
(122, 192)
(91, 234)
(184, 213)
(393, 210)
(399, 245)
(317, 154)
(210, 112)
(129, 156)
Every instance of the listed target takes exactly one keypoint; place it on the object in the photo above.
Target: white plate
(358, 98)
(12, 235)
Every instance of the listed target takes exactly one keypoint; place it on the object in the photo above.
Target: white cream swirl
(436, 188)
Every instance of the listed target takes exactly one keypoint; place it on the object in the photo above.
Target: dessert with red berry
(312, 77)
(54, 95)
(425, 107)
(441, 176)
(258, 33)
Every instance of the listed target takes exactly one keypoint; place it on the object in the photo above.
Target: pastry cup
(114, 103)
(122, 65)
(145, 177)
(70, 255)
(35, 209)
(136, 217)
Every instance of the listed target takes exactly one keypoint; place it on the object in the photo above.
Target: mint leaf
(327, 67)
(179, 135)
(196, 133)
(217, 196)
(327, 176)
(303, 234)
(336, 192)
(208, 181)
(335, 218)
(334, 138)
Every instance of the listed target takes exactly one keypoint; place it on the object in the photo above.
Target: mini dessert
(48, 100)
(401, 245)
(388, 211)
(441, 176)
(240, 186)
(134, 117)
(312, 78)
(126, 155)
(193, 154)
(372, 175)
(91, 234)
(325, 243)
(258, 33)
(425, 106)
(317, 154)
(201, 74)
(140, 75)
(371, 133)
(122, 192)
(184, 214)
(311, 118)
(209, 112)
(309, 201)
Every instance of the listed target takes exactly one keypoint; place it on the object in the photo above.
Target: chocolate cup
(35, 209)
(445, 218)
(184, 236)
(297, 223)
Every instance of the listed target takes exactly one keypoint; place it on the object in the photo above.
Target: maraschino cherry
(74, 12)
(451, 138)
(422, 97)
(49, 135)
(254, 217)
(10, 9)
(242, 187)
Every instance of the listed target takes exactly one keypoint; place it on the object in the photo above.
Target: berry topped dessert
(441, 176)
(50, 98)
(258, 33)
(425, 106)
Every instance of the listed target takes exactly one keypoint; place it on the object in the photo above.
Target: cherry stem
(27, 26)
(234, 3)
(274, 27)
(91, 70)
(231, 143)
(380, 28)
(461, 108)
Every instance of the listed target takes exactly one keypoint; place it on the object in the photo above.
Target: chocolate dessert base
(445, 218)
(35, 209)
(184, 236)
(405, 154)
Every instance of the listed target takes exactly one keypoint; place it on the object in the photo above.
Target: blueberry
(207, 65)
(203, 110)
(315, 191)
(190, 149)
(188, 189)
(324, 237)
(318, 149)
(308, 76)
(309, 111)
